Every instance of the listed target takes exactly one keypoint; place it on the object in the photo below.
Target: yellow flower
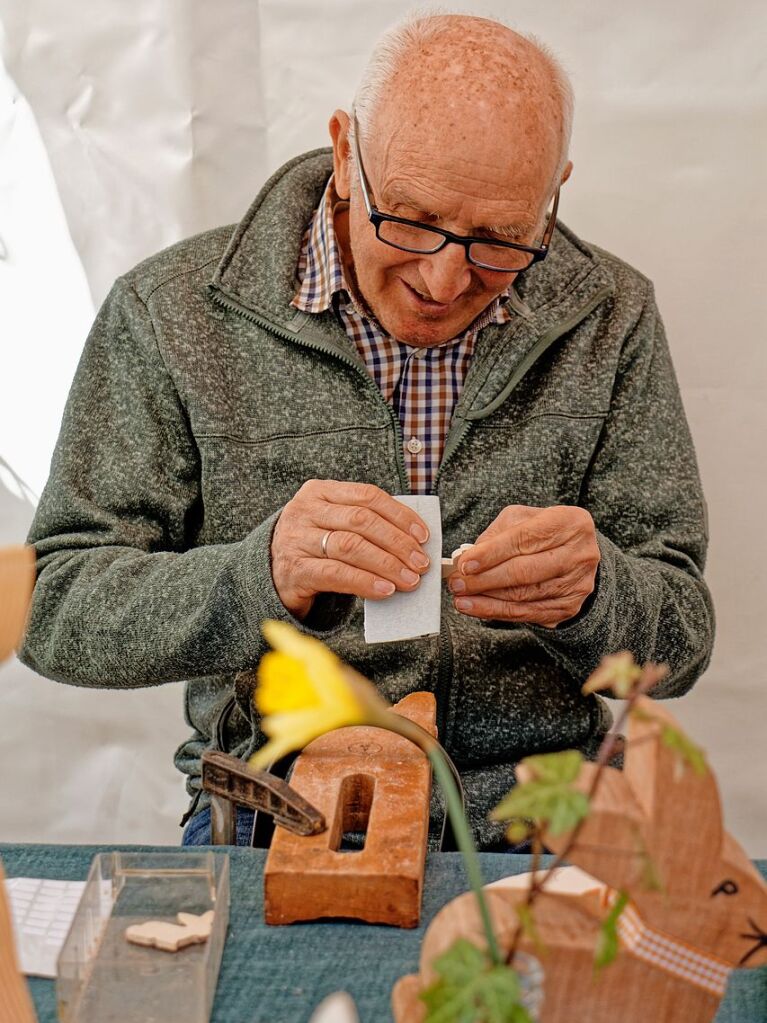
(304, 690)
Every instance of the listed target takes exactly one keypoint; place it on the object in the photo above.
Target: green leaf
(549, 797)
(518, 831)
(472, 990)
(555, 767)
(688, 752)
(607, 940)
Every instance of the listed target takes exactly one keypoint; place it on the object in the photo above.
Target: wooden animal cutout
(190, 930)
(362, 780)
(17, 578)
(15, 1003)
(678, 945)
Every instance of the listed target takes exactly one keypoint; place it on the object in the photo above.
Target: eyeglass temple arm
(360, 168)
(552, 221)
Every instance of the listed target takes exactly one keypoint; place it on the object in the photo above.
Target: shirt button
(420, 353)
(414, 445)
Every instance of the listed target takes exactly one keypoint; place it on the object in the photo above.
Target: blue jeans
(197, 831)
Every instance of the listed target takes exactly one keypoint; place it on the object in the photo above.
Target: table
(279, 974)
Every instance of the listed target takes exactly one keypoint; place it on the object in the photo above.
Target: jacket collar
(258, 270)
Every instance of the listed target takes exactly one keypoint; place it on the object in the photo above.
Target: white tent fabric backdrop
(124, 127)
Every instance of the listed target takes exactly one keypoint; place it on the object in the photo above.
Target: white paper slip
(42, 913)
(410, 615)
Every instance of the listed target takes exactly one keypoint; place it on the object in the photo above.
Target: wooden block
(17, 578)
(190, 930)
(15, 1002)
(361, 779)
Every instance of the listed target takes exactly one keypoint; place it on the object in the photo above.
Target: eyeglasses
(411, 236)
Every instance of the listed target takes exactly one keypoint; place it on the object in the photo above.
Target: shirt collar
(320, 268)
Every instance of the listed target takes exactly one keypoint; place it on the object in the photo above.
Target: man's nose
(447, 273)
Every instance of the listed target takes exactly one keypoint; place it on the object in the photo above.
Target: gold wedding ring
(324, 544)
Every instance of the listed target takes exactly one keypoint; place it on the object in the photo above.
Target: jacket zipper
(229, 303)
(546, 340)
(454, 439)
(444, 674)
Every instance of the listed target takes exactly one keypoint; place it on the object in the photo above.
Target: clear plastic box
(103, 978)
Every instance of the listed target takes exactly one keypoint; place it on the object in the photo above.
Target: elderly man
(407, 316)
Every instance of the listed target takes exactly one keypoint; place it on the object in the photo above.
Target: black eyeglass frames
(412, 236)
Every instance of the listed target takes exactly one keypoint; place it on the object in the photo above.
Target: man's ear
(566, 172)
(339, 133)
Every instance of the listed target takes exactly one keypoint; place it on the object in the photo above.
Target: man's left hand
(535, 565)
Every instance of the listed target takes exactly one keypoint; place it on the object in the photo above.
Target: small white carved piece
(336, 1008)
(448, 564)
(190, 930)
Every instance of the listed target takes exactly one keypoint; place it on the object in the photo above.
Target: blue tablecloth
(279, 974)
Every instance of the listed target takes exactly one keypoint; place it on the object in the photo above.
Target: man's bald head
(444, 71)
(464, 126)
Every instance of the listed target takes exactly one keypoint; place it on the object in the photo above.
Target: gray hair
(421, 26)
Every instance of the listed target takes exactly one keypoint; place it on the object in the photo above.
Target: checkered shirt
(421, 384)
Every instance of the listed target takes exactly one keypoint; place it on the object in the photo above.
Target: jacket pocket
(540, 460)
(246, 479)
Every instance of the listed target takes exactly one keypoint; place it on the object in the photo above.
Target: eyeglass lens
(408, 236)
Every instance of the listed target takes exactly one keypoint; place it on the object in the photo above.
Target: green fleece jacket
(203, 401)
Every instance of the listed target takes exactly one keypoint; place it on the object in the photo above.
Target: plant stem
(651, 674)
(395, 723)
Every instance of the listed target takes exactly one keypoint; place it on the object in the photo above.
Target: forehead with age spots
(472, 116)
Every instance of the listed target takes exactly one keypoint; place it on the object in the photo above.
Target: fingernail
(457, 585)
(470, 567)
(464, 604)
(384, 586)
(420, 532)
(419, 560)
(409, 577)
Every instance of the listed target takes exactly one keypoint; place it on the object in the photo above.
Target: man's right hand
(373, 547)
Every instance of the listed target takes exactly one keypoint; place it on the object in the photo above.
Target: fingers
(354, 550)
(368, 525)
(518, 572)
(550, 544)
(548, 613)
(535, 565)
(377, 501)
(373, 544)
(509, 516)
(552, 589)
(519, 530)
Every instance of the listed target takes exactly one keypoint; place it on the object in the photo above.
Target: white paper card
(410, 615)
(42, 913)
